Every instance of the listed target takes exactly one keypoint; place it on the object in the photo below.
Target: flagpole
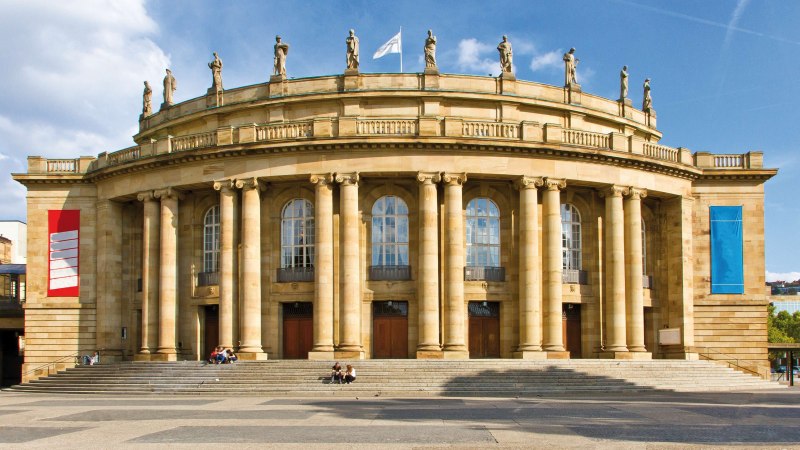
(401, 49)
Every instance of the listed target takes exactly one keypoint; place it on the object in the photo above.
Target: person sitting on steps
(336, 373)
(231, 356)
(350, 374)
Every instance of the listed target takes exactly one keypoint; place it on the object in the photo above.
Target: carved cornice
(526, 182)
(554, 184)
(454, 178)
(347, 179)
(428, 177)
(614, 190)
(250, 183)
(636, 193)
(322, 179)
(224, 186)
(146, 196)
(169, 192)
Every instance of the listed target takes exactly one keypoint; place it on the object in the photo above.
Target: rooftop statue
(216, 73)
(647, 102)
(352, 50)
(430, 51)
(623, 83)
(147, 104)
(170, 85)
(506, 55)
(281, 50)
(571, 64)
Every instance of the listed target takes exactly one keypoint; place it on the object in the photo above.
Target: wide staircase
(399, 378)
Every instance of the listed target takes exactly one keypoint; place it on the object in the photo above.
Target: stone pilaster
(428, 346)
(634, 271)
(251, 348)
(553, 340)
(350, 318)
(530, 270)
(150, 274)
(323, 268)
(227, 260)
(109, 279)
(168, 282)
(454, 337)
(614, 227)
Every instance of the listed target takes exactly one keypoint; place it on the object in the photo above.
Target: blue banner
(727, 265)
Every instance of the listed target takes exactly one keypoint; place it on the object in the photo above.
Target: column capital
(322, 179)
(146, 196)
(169, 192)
(224, 186)
(347, 179)
(454, 178)
(250, 183)
(526, 182)
(554, 184)
(428, 177)
(637, 193)
(614, 190)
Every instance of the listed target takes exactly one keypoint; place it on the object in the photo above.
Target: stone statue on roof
(623, 83)
(430, 51)
(506, 55)
(570, 68)
(281, 50)
(147, 103)
(170, 85)
(647, 100)
(352, 50)
(216, 73)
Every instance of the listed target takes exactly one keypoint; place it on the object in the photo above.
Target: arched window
(297, 234)
(570, 237)
(483, 233)
(211, 240)
(390, 232)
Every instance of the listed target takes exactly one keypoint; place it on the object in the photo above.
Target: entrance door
(10, 359)
(484, 329)
(210, 330)
(571, 314)
(390, 330)
(298, 330)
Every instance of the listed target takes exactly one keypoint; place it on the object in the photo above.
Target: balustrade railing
(62, 166)
(573, 276)
(586, 138)
(291, 130)
(125, 155)
(491, 129)
(208, 279)
(484, 273)
(389, 273)
(295, 274)
(194, 141)
(387, 126)
(661, 152)
(729, 161)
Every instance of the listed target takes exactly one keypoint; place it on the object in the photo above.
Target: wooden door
(571, 329)
(390, 330)
(484, 329)
(210, 330)
(298, 330)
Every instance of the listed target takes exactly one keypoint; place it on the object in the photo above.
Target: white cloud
(547, 61)
(472, 57)
(783, 276)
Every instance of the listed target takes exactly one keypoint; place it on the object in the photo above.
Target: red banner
(63, 245)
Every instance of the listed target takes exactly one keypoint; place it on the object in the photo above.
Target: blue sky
(725, 74)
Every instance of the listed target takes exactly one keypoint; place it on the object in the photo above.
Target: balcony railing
(647, 282)
(389, 273)
(484, 273)
(295, 274)
(208, 279)
(573, 276)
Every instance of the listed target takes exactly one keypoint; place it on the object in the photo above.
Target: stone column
(454, 339)
(530, 271)
(150, 257)
(615, 273)
(634, 271)
(323, 268)
(553, 339)
(251, 270)
(109, 280)
(350, 318)
(428, 346)
(227, 202)
(168, 282)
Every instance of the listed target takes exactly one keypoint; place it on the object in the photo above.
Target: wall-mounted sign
(669, 336)
(64, 232)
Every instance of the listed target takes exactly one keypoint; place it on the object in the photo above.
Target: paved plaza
(613, 420)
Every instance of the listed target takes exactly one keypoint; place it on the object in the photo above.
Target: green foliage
(783, 327)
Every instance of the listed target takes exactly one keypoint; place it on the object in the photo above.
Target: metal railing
(711, 354)
(295, 274)
(484, 273)
(574, 276)
(75, 357)
(208, 279)
(389, 273)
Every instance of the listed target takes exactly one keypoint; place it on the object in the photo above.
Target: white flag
(393, 45)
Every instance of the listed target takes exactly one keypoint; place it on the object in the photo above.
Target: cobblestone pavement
(645, 420)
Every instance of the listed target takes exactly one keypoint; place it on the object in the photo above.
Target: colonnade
(540, 278)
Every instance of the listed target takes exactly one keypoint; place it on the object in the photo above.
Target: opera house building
(403, 215)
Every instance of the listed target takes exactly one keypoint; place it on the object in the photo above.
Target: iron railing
(208, 279)
(295, 274)
(484, 273)
(389, 273)
(574, 276)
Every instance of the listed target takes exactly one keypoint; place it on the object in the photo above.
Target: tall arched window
(483, 233)
(390, 232)
(211, 240)
(297, 234)
(570, 237)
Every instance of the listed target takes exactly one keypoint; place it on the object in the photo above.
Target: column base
(163, 357)
(626, 355)
(252, 356)
(430, 354)
(528, 354)
(455, 354)
(348, 354)
(558, 355)
(321, 356)
(142, 357)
